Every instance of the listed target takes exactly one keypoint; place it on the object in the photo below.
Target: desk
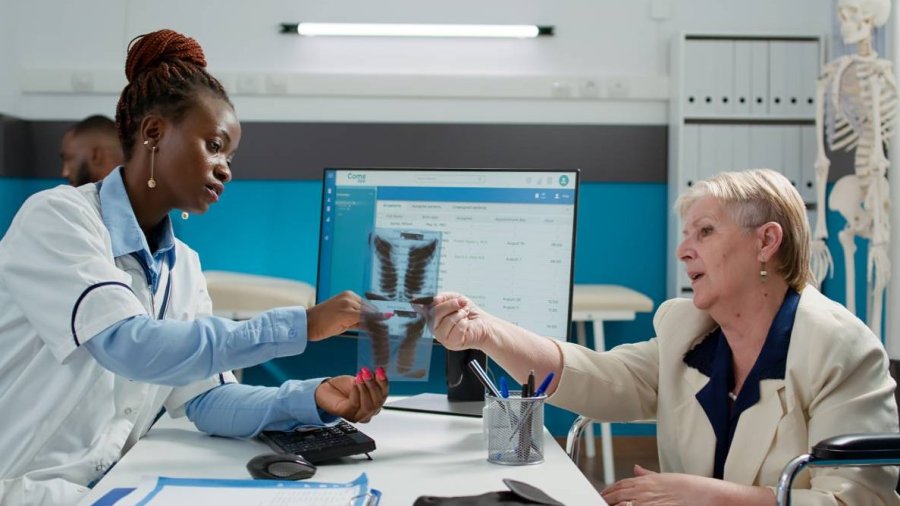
(597, 304)
(418, 454)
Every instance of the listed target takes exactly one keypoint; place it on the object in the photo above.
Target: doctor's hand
(354, 399)
(657, 489)
(457, 323)
(334, 316)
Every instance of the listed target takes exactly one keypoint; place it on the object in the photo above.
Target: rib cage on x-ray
(404, 267)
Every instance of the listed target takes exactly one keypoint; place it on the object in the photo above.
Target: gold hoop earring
(151, 183)
(763, 273)
(184, 215)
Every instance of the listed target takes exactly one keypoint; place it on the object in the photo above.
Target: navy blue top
(713, 358)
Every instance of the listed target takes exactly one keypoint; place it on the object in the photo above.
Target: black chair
(875, 449)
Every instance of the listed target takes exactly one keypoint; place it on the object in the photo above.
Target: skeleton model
(414, 254)
(857, 96)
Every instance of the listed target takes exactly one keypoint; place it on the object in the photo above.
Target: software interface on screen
(503, 238)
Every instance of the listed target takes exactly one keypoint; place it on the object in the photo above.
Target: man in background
(89, 150)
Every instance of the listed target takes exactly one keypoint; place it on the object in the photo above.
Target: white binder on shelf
(759, 77)
(765, 147)
(742, 76)
(809, 67)
(723, 76)
(790, 153)
(694, 82)
(723, 149)
(778, 78)
(807, 163)
(741, 142)
(690, 160)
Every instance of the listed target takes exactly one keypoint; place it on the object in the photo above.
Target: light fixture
(415, 30)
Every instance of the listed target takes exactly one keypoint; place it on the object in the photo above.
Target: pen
(504, 389)
(483, 378)
(544, 385)
(530, 385)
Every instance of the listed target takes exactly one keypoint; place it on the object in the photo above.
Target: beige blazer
(836, 382)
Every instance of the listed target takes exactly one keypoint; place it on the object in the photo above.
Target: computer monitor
(504, 238)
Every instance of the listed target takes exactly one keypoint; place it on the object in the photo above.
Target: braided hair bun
(164, 48)
(166, 71)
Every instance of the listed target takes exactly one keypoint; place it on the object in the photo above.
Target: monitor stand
(462, 384)
(465, 394)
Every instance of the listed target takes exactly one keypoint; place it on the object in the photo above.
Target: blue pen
(504, 388)
(544, 384)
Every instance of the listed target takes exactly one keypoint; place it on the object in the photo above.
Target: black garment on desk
(518, 494)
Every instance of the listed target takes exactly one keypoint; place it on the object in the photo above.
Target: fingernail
(387, 315)
(366, 373)
(379, 373)
(359, 379)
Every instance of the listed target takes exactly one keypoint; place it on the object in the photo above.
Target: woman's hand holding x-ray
(334, 316)
(457, 323)
(354, 399)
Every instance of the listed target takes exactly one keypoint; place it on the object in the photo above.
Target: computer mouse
(280, 466)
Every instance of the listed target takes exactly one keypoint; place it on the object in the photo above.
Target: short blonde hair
(753, 198)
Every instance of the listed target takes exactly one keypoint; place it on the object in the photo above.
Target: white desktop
(418, 454)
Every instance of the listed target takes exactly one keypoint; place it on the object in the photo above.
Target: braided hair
(166, 70)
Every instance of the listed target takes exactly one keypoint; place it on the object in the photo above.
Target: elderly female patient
(752, 372)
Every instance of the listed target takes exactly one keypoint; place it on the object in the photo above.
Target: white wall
(8, 63)
(61, 45)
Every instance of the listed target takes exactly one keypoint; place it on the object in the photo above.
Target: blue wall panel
(14, 191)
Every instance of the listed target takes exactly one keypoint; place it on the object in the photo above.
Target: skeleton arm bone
(877, 200)
(821, 262)
(822, 163)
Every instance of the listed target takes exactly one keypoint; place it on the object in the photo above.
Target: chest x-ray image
(402, 274)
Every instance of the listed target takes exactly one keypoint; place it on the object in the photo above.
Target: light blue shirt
(179, 352)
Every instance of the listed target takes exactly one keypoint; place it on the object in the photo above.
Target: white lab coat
(66, 419)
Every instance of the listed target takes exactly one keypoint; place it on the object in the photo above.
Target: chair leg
(573, 441)
(609, 468)
(590, 448)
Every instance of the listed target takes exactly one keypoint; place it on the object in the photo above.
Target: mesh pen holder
(515, 429)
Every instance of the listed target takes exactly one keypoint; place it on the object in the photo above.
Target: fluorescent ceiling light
(415, 30)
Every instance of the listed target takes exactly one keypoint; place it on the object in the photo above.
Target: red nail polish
(366, 373)
(380, 374)
(359, 379)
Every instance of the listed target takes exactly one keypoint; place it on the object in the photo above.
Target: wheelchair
(873, 449)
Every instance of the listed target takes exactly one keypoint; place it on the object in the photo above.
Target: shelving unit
(740, 101)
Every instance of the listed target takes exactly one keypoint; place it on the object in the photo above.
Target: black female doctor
(106, 318)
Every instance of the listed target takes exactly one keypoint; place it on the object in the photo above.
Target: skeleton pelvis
(847, 199)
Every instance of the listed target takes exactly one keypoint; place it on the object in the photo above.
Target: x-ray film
(403, 269)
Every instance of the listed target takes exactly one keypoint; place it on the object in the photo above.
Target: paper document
(178, 491)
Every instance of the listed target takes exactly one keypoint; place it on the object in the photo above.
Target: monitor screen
(503, 238)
